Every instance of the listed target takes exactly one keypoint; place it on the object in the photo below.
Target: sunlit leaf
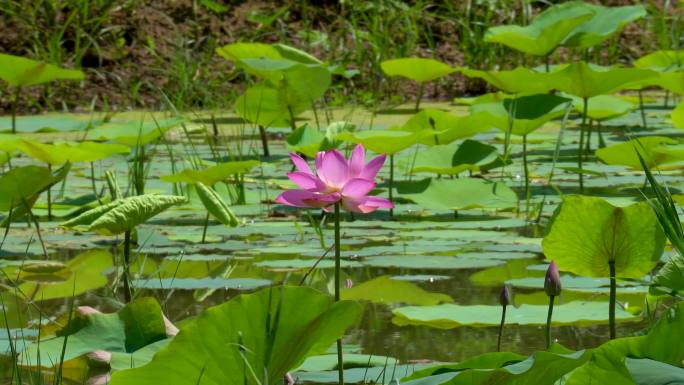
(21, 72)
(417, 69)
(215, 205)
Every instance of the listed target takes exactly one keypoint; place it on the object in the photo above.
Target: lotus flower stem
(49, 196)
(585, 106)
(548, 321)
(14, 109)
(127, 253)
(340, 358)
(391, 184)
(92, 182)
(421, 89)
(552, 287)
(611, 309)
(264, 140)
(527, 176)
(504, 300)
(642, 110)
(547, 64)
(501, 327)
(666, 99)
(587, 151)
(204, 229)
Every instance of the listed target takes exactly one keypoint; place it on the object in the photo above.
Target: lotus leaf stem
(548, 321)
(611, 309)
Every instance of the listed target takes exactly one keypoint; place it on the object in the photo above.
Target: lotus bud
(552, 282)
(288, 380)
(99, 359)
(506, 297)
(348, 283)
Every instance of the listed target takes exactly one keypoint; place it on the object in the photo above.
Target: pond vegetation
(527, 235)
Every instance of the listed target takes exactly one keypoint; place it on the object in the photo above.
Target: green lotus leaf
(586, 81)
(458, 194)
(417, 69)
(670, 277)
(123, 214)
(134, 133)
(213, 174)
(454, 159)
(384, 141)
(26, 182)
(654, 150)
(386, 290)
(22, 72)
(603, 107)
(445, 127)
(662, 61)
(671, 81)
(305, 140)
(84, 272)
(678, 115)
(138, 324)
(588, 232)
(51, 122)
(518, 80)
(645, 371)
(528, 112)
(605, 22)
(60, 153)
(250, 339)
(242, 53)
(215, 205)
(449, 316)
(546, 31)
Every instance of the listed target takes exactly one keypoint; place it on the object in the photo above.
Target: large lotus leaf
(52, 122)
(662, 61)
(603, 107)
(304, 84)
(23, 183)
(653, 149)
(490, 360)
(670, 276)
(241, 53)
(384, 141)
(134, 133)
(446, 127)
(82, 273)
(124, 214)
(21, 72)
(138, 324)
(605, 22)
(650, 372)
(678, 115)
(213, 174)
(518, 80)
(671, 81)
(448, 316)
(215, 205)
(60, 153)
(305, 140)
(264, 105)
(585, 81)
(541, 368)
(588, 232)
(607, 364)
(251, 339)
(454, 159)
(545, 32)
(417, 69)
(458, 194)
(390, 291)
(528, 112)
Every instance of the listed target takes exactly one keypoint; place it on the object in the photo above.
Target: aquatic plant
(338, 184)
(552, 288)
(419, 70)
(121, 217)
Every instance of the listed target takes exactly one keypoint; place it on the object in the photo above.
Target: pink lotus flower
(337, 180)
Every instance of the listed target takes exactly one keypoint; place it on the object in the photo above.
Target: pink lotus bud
(288, 380)
(99, 359)
(552, 282)
(348, 283)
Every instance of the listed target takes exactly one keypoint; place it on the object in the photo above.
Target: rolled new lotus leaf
(123, 214)
(215, 205)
